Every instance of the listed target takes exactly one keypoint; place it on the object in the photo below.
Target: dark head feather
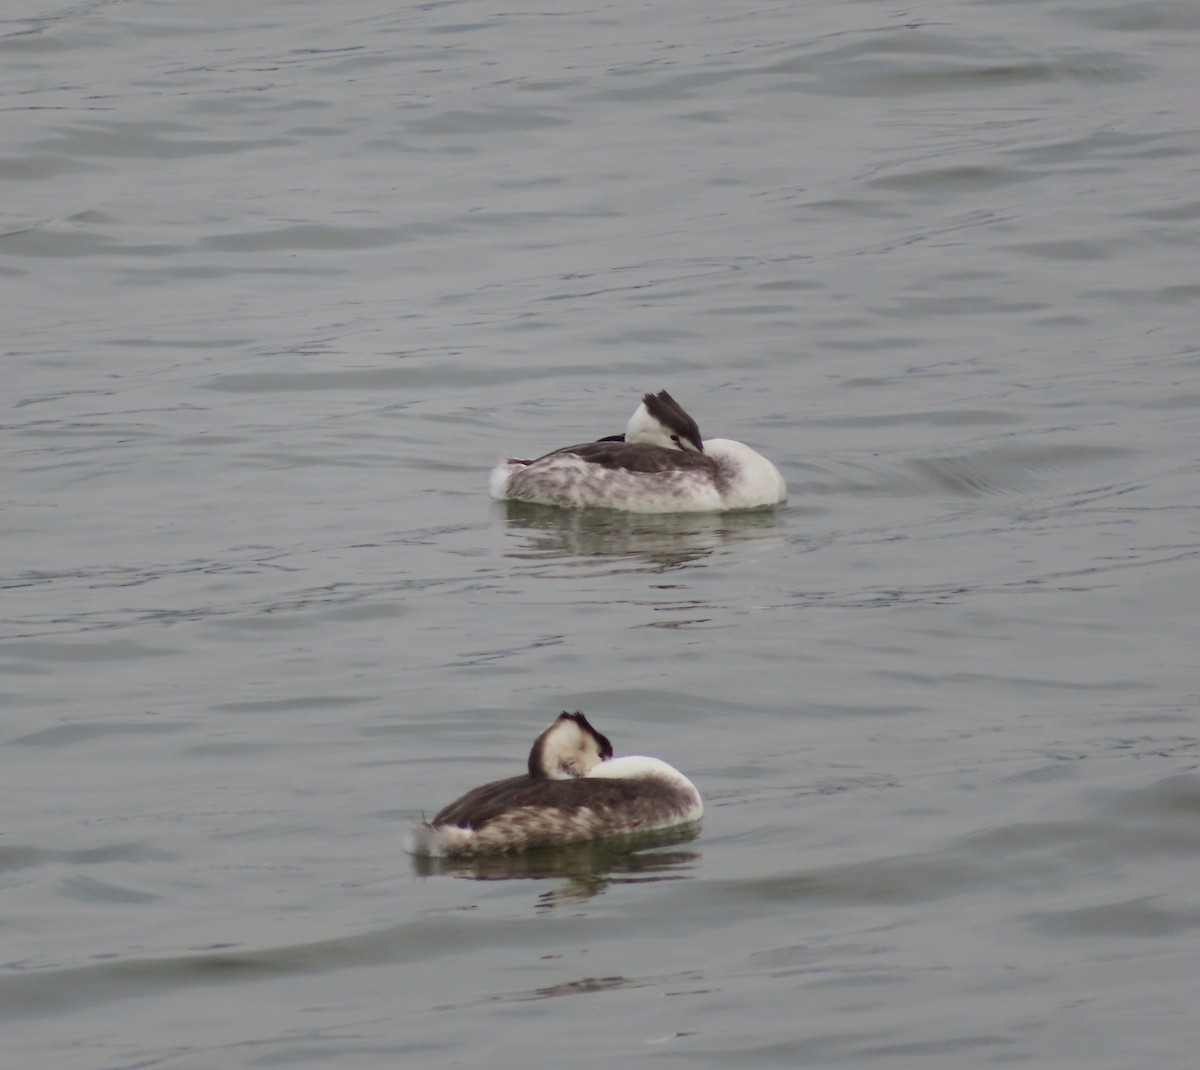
(601, 739)
(536, 753)
(667, 411)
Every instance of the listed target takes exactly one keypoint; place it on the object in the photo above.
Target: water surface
(283, 282)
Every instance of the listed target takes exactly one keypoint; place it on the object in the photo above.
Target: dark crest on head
(536, 755)
(667, 411)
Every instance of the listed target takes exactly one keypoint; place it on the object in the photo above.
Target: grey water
(282, 280)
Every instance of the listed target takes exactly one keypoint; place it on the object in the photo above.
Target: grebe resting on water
(574, 791)
(660, 465)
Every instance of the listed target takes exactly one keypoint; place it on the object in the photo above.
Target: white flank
(498, 482)
(440, 841)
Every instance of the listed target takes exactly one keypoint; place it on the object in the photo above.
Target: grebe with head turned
(574, 791)
(660, 465)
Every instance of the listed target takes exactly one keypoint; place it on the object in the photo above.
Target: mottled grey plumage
(574, 791)
(660, 465)
(483, 805)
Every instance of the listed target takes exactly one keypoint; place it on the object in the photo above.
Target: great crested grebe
(660, 465)
(574, 791)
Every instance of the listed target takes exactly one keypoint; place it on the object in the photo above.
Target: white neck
(644, 428)
(639, 767)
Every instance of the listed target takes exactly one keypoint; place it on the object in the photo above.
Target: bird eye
(675, 439)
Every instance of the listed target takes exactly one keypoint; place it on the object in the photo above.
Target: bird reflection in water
(662, 541)
(587, 868)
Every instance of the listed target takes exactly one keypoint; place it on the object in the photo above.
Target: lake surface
(283, 280)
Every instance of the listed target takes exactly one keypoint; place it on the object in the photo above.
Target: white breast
(751, 480)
